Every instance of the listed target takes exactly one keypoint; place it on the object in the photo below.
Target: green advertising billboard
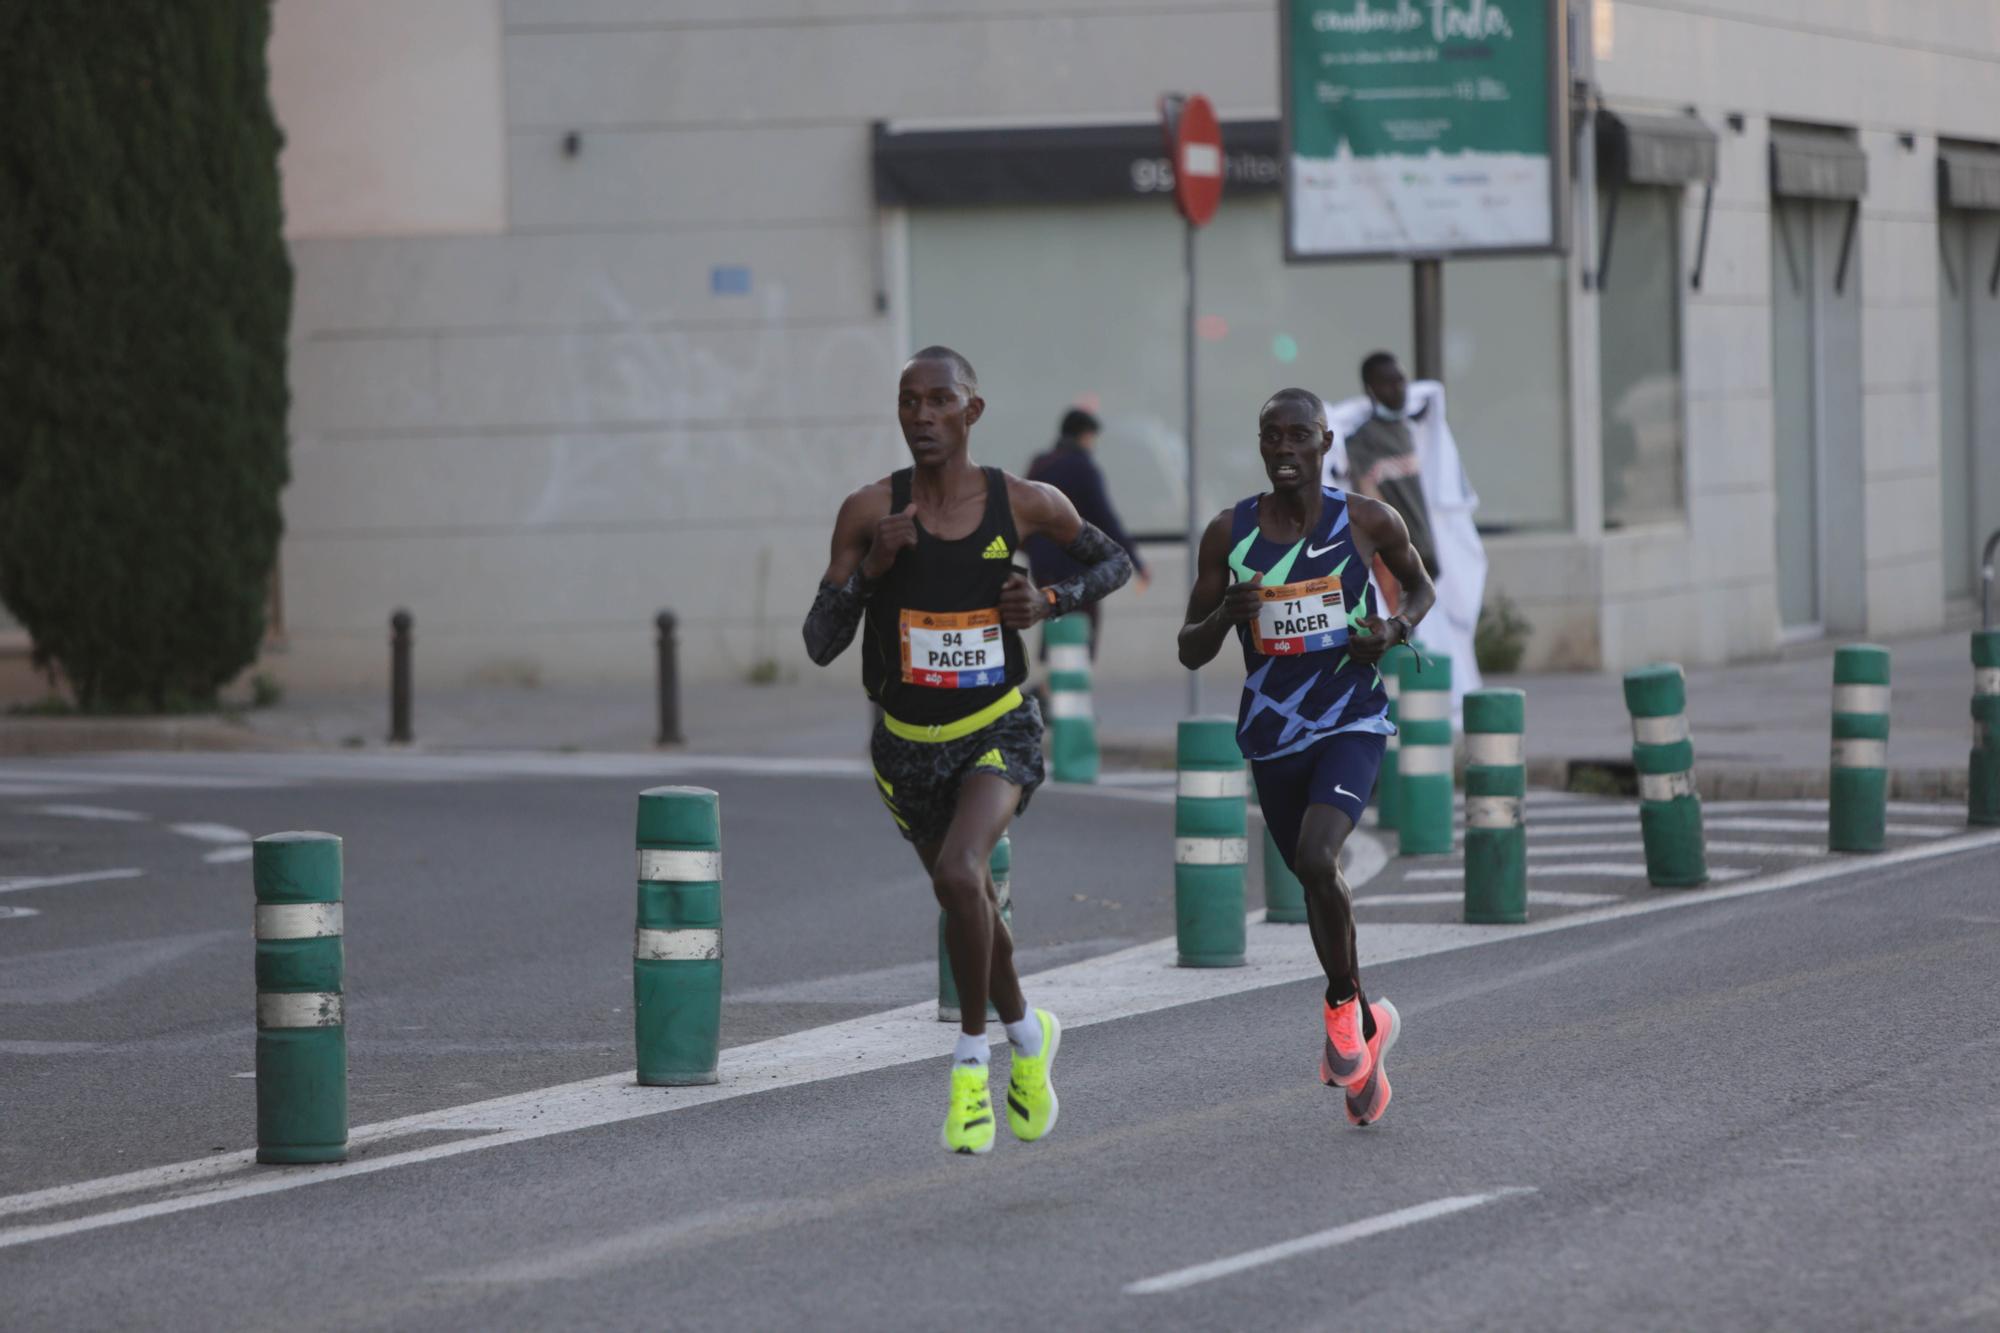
(1423, 127)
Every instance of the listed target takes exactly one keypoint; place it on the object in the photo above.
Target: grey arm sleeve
(1106, 569)
(835, 614)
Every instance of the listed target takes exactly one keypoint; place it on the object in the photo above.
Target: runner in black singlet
(923, 563)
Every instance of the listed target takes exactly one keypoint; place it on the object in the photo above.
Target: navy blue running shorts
(1338, 771)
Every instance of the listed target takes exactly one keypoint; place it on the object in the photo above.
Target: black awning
(1969, 178)
(1655, 150)
(1056, 164)
(1808, 164)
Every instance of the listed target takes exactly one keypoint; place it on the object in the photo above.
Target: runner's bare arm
(1215, 606)
(1041, 510)
(843, 589)
(1382, 533)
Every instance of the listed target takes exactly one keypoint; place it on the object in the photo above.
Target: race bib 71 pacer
(1300, 617)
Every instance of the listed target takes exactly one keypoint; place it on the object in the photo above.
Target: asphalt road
(1770, 1104)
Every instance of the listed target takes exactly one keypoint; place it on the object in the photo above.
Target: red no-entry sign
(1194, 138)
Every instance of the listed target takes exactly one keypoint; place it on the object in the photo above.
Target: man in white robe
(1461, 584)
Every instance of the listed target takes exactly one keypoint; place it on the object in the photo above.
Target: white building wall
(538, 424)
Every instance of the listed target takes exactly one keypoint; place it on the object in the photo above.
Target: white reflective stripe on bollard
(300, 1009)
(1494, 749)
(1069, 657)
(298, 921)
(1860, 754)
(1392, 685)
(1211, 851)
(1422, 761)
(1861, 698)
(675, 867)
(1666, 786)
(1424, 706)
(1069, 704)
(1986, 680)
(688, 945)
(1492, 811)
(1395, 742)
(1660, 730)
(1206, 783)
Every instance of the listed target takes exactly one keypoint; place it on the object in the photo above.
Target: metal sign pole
(1427, 302)
(1193, 498)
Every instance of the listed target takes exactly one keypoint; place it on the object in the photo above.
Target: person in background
(1382, 461)
(1068, 466)
(1449, 504)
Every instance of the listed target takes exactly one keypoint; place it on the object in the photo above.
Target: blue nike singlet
(1300, 685)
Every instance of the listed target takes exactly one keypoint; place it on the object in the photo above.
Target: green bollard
(1211, 843)
(301, 1025)
(1496, 791)
(677, 951)
(1388, 781)
(1284, 896)
(1858, 781)
(1663, 752)
(1982, 788)
(1424, 805)
(1072, 728)
(1002, 864)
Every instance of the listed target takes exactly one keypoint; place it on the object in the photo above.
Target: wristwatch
(1408, 628)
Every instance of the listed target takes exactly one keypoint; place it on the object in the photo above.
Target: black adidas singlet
(932, 646)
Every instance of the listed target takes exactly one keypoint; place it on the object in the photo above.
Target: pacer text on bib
(953, 650)
(1300, 617)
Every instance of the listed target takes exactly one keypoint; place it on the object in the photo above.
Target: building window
(1639, 359)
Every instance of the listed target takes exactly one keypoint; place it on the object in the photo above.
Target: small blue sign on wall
(729, 280)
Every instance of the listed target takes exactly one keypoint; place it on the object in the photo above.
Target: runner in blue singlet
(1287, 573)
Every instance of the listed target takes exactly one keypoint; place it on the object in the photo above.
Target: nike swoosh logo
(1314, 552)
(1339, 790)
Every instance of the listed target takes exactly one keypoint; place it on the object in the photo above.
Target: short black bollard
(670, 682)
(399, 675)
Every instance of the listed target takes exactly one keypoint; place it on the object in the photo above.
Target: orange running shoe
(1366, 1103)
(1344, 1060)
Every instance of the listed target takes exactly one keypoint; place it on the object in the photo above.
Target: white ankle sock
(970, 1050)
(1026, 1035)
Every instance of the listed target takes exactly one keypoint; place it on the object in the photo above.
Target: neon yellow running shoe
(1032, 1105)
(968, 1126)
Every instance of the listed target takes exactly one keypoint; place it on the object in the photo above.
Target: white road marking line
(210, 832)
(1634, 846)
(1320, 1240)
(43, 789)
(229, 855)
(601, 1256)
(1134, 981)
(90, 812)
(13, 913)
(1545, 897)
(1588, 869)
(22, 883)
(1819, 826)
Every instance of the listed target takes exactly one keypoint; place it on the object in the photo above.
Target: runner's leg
(981, 949)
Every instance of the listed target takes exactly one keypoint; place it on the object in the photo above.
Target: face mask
(1383, 413)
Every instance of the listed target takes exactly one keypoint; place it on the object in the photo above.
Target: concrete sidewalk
(1760, 729)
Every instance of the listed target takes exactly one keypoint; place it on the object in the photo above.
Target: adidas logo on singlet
(996, 549)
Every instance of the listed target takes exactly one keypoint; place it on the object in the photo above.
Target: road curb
(80, 735)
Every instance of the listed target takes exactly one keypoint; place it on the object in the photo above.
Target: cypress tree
(145, 299)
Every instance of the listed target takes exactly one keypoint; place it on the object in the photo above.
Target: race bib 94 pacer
(953, 650)
(1300, 617)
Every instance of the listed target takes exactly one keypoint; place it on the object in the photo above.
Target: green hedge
(145, 297)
